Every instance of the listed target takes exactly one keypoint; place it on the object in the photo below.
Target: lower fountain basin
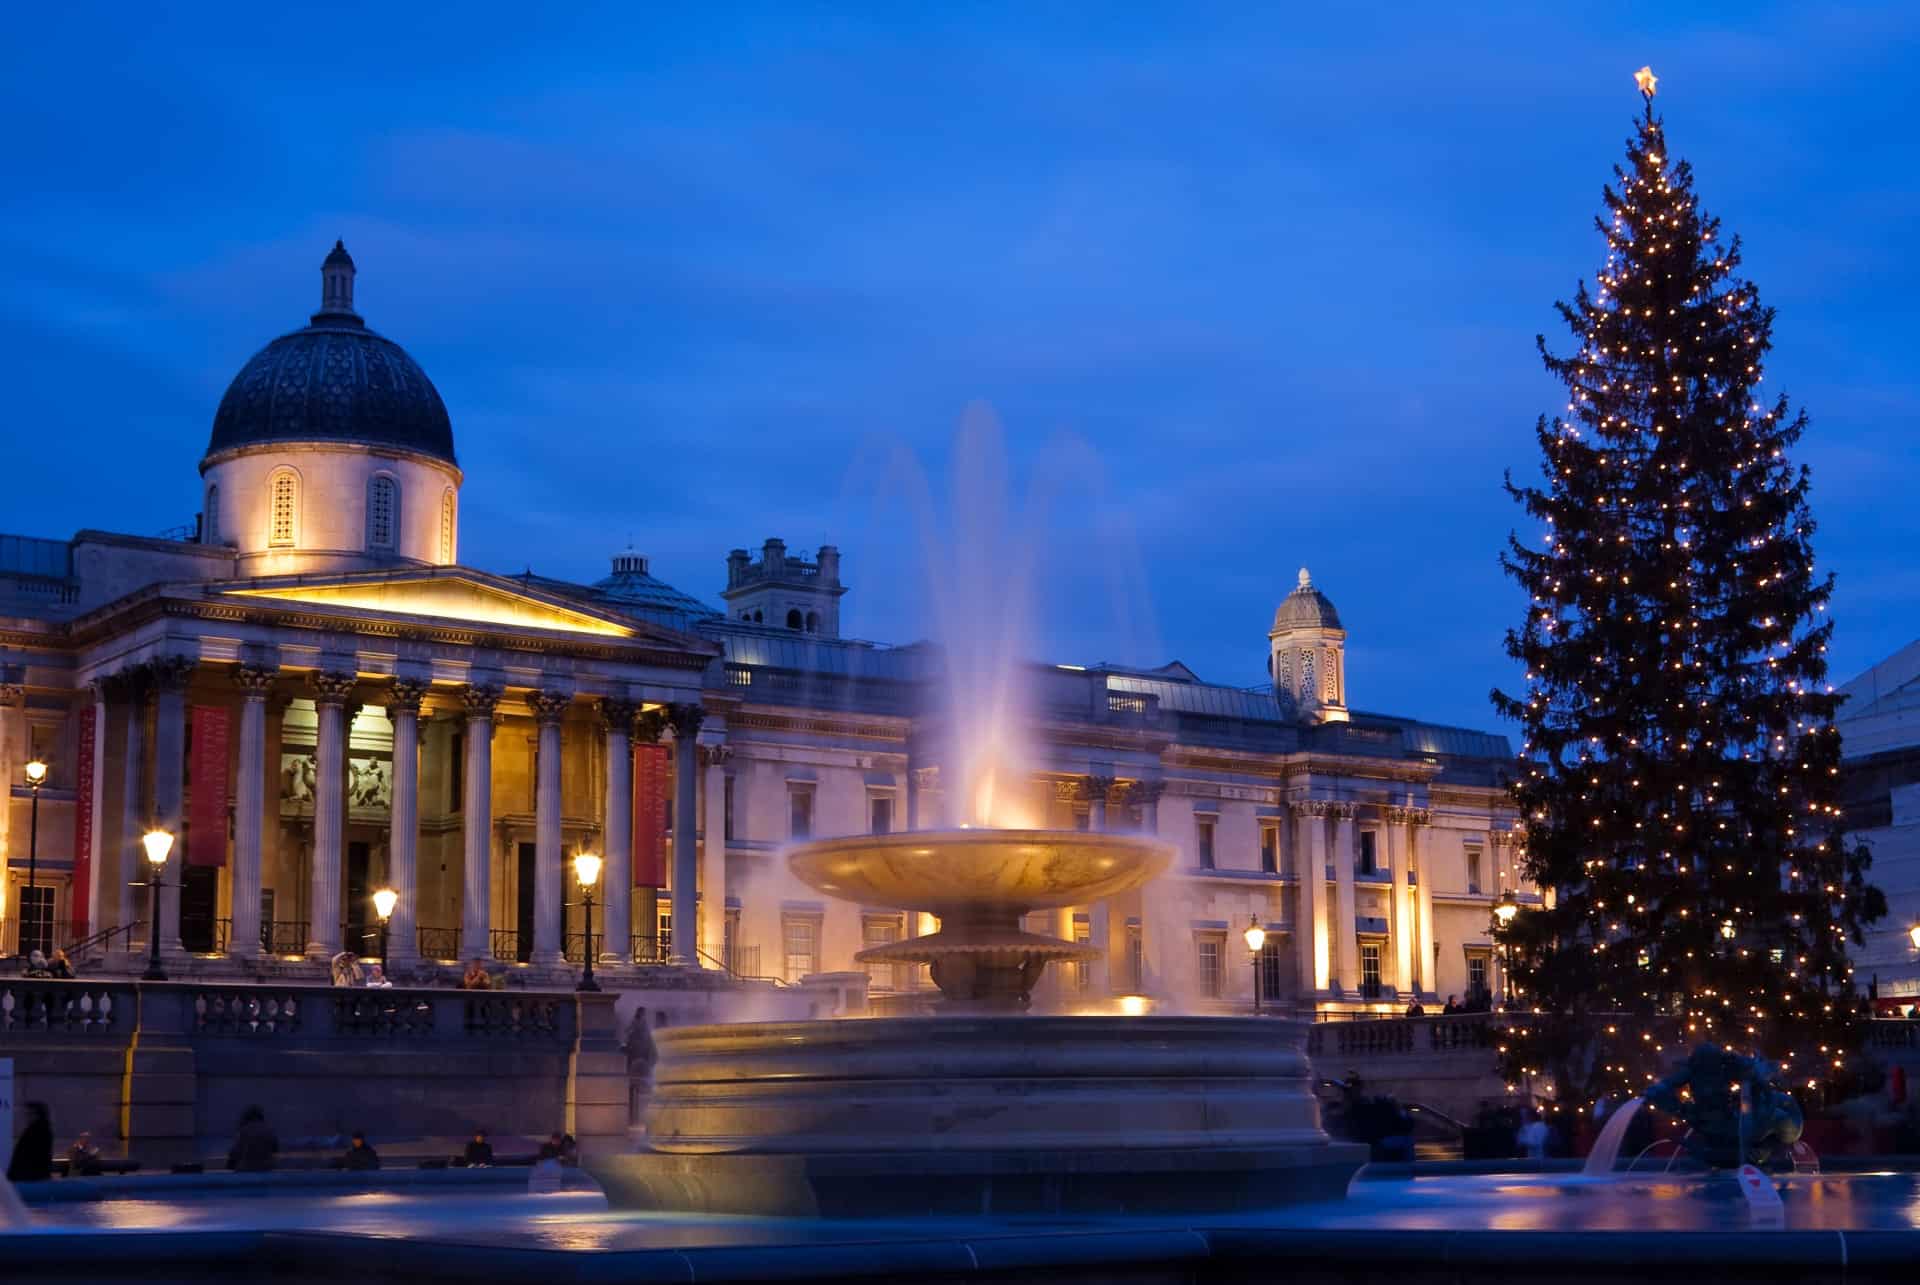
(982, 1114)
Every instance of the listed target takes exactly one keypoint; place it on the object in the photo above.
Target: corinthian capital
(405, 694)
(615, 715)
(479, 699)
(332, 687)
(255, 681)
(550, 705)
(171, 673)
(715, 755)
(685, 719)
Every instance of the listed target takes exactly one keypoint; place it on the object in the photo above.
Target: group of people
(348, 969)
(1453, 1007)
(56, 967)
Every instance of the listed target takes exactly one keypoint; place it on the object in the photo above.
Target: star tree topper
(1646, 80)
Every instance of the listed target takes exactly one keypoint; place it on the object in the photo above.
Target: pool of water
(580, 1221)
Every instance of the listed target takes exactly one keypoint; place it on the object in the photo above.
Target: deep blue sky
(685, 276)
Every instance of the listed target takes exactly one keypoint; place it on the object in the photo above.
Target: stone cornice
(865, 727)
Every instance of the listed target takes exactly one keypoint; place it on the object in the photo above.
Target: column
(616, 881)
(1400, 899)
(403, 838)
(1347, 950)
(13, 732)
(476, 893)
(249, 809)
(171, 675)
(1100, 913)
(549, 879)
(713, 854)
(96, 806)
(685, 720)
(331, 690)
(1156, 975)
(1314, 942)
(132, 685)
(1429, 964)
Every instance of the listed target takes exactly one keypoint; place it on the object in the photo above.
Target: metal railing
(281, 937)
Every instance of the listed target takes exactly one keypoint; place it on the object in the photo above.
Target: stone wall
(160, 1071)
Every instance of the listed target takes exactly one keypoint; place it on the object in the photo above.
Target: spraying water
(13, 1211)
(1606, 1148)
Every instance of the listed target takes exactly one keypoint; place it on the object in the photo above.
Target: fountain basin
(981, 1114)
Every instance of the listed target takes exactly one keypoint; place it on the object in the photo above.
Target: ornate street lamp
(36, 777)
(1503, 912)
(158, 843)
(383, 903)
(1913, 934)
(586, 868)
(1256, 938)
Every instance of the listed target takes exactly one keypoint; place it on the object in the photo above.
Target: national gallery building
(316, 697)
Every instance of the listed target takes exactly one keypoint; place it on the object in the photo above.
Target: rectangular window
(1270, 849)
(1203, 835)
(801, 935)
(1136, 959)
(1477, 988)
(1370, 970)
(881, 930)
(1273, 956)
(727, 807)
(1210, 950)
(729, 942)
(36, 918)
(800, 813)
(1369, 851)
(285, 494)
(1473, 870)
(457, 773)
(880, 814)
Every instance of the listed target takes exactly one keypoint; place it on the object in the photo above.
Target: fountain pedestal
(981, 1109)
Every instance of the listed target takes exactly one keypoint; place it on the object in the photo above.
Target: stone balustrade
(167, 1067)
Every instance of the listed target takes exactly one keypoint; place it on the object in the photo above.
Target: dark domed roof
(1306, 607)
(333, 381)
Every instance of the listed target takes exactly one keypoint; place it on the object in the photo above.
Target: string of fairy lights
(1680, 764)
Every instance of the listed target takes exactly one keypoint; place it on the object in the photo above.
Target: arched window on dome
(446, 525)
(383, 512)
(210, 523)
(283, 520)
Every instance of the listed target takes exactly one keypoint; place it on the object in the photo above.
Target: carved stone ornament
(172, 673)
(255, 681)
(404, 696)
(685, 719)
(332, 687)
(550, 706)
(479, 700)
(615, 715)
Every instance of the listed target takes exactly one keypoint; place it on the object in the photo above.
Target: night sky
(1248, 290)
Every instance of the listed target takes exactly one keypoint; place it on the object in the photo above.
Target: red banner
(83, 825)
(207, 788)
(651, 781)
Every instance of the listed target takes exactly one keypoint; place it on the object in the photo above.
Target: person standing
(360, 1156)
(254, 1144)
(33, 1152)
(479, 1151)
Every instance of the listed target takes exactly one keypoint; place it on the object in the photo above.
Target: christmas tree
(1678, 785)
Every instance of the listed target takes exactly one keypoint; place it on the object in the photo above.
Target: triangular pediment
(441, 594)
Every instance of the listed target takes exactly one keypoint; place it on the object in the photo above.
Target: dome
(1305, 608)
(333, 381)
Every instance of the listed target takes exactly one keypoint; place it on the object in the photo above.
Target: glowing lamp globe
(1505, 909)
(586, 868)
(383, 903)
(159, 844)
(1256, 936)
(36, 773)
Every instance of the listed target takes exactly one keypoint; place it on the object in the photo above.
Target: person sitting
(359, 1155)
(37, 965)
(377, 978)
(83, 1158)
(346, 969)
(1451, 1008)
(479, 1150)
(475, 978)
(569, 1150)
(59, 967)
(1416, 1009)
(254, 1144)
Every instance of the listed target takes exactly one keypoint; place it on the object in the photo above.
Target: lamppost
(383, 903)
(158, 844)
(1503, 912)
(586, 868)
(1256, 938)
(1913, 934)
(36, 777)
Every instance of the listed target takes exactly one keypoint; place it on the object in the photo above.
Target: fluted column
(249, 809)
(549, 709)
(1400, 902)
(13, 700)
(1347, 947)
(1310, 911)
(1427, 962)
(476, 893)
(616, 724)
(95, 804)
(330, 693)
(403, 839)
(171, 676)
(713, 854)
(685, 720)
(134, 816)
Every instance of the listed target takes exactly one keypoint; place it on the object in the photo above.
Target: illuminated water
(580, 1220)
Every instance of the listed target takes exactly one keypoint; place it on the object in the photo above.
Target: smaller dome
(1306, 608)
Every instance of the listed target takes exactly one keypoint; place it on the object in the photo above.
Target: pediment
(440, 595)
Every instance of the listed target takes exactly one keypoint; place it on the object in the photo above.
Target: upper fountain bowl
(957, 872)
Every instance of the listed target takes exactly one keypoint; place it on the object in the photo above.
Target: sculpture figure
(1707, 1091)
